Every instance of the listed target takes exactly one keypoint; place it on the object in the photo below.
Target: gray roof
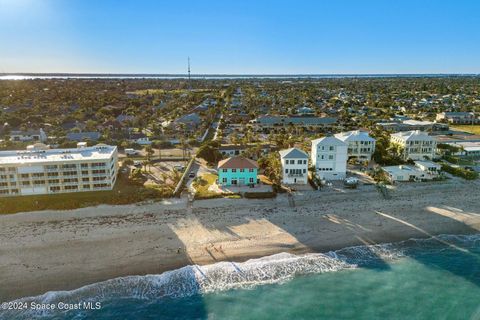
(458, 114)
(277, 120)
(328, 141)
(189, 118)
(81, 136)
(293, 153)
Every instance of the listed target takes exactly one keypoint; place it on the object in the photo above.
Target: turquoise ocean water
(415, 279)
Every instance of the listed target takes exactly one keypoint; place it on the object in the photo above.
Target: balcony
(296, 175)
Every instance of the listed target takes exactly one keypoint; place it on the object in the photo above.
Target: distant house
(416, 145)
(298, 121)
(329, 156)
(409, 125)
(421, 171)
(294, 166)
(237, 171)
(467, 149)
(124, 118)
(231, 150)
(305, 111)
(82, 136)
(28, 135)
(429, 167)
(191, 121)
(73, 124)
(139, 138)
(458, 117)
(360, 145)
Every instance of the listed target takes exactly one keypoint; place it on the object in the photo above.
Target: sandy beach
(63, 250)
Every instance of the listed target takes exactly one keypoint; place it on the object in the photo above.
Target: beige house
(415, 145)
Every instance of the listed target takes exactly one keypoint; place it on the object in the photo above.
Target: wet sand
(63, 250)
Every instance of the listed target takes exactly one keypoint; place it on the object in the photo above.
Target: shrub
(260, 195)
(460, 172)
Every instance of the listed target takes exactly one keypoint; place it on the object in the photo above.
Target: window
(85, 179)
(304, 161)
(251, 180)
(286, 170)
(299, 161)
(242, 170)
(331, 148)
(250, 170)
(224, 180)
(234, 170)
(224, 170)
(330, 157)
(304, 170)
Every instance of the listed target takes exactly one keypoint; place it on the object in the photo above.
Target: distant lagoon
(46, 76)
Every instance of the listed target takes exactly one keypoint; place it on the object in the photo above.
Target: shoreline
(64, 250)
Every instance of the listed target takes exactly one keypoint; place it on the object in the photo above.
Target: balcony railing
(296, 175)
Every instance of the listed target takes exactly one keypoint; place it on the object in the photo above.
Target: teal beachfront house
(237, 171)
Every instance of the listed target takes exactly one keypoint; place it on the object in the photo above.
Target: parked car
(179, 168)
(131, 152)
(137, 164)
(191, 174)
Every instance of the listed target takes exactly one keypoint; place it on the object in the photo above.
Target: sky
(240, 37)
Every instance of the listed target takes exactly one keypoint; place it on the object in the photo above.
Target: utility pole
(189, 80)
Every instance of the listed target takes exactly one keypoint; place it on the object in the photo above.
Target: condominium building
(40, 170)
(329, 157)
(360, 145)
(415, 145)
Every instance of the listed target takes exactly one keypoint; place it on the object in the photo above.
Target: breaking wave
(194, 279)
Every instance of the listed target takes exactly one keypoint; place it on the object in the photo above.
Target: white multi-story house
(360, 145)
(40, 170)
(329, 157)
(416, 145)
(294, 166)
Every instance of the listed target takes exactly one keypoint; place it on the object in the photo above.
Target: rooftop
(329, 141)
(293, 153)
(356, 135)
(237, 162)
(40, 153)
(413, 135)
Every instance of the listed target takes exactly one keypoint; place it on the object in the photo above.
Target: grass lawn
(123, 193)
(202, 183)
(475, 129)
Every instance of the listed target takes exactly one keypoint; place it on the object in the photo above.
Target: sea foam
(193, 279)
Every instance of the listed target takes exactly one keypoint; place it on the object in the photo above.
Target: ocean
(437, 278)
